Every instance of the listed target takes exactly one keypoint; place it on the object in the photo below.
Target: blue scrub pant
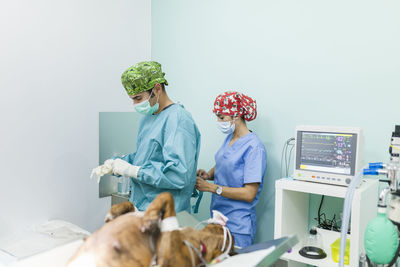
(242, 240)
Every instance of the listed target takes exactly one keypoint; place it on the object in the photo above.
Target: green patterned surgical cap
(142, 77)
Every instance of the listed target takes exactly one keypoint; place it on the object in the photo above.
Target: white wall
(307, 62)
(60, 64)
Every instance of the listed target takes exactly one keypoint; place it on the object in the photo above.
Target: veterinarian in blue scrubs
(240, 165)
(168, 141)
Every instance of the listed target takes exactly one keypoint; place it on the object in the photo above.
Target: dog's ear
(214, 239)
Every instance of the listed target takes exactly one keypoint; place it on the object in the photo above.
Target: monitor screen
(326, 152)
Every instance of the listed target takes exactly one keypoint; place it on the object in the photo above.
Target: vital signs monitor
(326, 154)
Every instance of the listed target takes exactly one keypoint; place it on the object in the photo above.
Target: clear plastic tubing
(348, 200)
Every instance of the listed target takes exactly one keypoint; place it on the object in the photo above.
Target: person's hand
(102, 170)
(123, 168)
(109, 163)
(203, 185)
(203, 174)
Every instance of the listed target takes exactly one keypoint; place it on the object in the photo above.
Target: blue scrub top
(242, 163)
(167, 151)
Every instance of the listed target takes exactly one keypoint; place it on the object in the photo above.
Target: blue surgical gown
(243, 163)
(167, 151)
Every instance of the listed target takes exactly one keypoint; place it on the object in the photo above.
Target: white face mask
(226, 127)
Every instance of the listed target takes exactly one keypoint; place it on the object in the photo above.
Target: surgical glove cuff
(132, 171)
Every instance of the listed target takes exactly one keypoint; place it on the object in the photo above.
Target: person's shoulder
(256, 142)
(181, 119)
(182, 110)
(255, 147)
(181, 114)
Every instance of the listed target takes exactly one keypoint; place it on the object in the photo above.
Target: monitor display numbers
(327, 152)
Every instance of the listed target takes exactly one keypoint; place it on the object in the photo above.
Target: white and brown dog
(132, 239)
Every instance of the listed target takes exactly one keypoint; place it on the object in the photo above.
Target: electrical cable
(319, 210)
(290, 156)
(286, 169)
(286, 157)
(283, 149)
(325, 223)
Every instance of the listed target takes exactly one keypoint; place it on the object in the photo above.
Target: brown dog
(131, 240)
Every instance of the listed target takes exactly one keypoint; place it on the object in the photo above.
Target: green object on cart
(381, 239)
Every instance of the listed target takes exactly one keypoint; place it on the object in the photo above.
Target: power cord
(286, 155)
(325, 223)
(319, 210)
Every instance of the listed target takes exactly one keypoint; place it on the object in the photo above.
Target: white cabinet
(291, 216)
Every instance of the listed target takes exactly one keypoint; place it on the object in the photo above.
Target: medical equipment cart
(292, 217)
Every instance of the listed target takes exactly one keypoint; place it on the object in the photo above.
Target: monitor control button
(348, 180)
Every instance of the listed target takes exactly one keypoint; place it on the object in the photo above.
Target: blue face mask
(145, 108)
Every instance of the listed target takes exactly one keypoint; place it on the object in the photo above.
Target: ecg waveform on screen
(331, 150)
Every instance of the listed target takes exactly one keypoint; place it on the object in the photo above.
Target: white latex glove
(121, 167)
(102, 170)
(109, 163)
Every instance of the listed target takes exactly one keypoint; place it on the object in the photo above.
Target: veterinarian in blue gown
(240, 167)
(168, 141)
